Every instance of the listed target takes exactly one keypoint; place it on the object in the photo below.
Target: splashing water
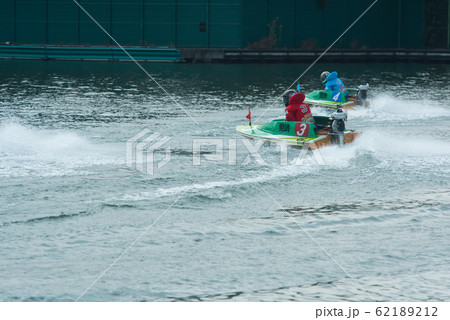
(26, 150)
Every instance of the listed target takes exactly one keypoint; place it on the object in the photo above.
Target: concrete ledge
(199, 55)
(203, 55)
(291, 56)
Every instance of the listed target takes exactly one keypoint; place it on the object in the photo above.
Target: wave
(402, 146)
(47, 218)
(388, 108)
(372, 148)
(431, 201)
(382, 287)
(285, 293)
(195, 188)
(26, 151)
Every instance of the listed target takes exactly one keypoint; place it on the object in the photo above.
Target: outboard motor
(362, 94)
(338, 126)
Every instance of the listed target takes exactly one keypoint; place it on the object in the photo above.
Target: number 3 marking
(302, 128)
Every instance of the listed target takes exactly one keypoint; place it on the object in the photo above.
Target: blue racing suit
(335, 84)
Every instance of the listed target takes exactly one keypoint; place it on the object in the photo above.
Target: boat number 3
(337, 97)
(302, 129)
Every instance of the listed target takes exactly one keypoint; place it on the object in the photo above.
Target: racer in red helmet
(297, 110)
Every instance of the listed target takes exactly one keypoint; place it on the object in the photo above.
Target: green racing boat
(334, 100)
(326, 130)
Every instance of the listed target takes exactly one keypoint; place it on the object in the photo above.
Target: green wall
(304, 24)
(6, 21)
(30, 21)
(159, 28)
(62, 22)
(225, 23)
(437, 24)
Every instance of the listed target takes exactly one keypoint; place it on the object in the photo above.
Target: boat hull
(321, 140)
(335, 100)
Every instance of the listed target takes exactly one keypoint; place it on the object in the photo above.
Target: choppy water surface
(224, 229)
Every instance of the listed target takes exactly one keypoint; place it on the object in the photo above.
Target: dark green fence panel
(412, 23)
(282, 19)
(378, 28)
(127, 22)
(224, 30)
(7, 21)
(160, 23)
(90, 33)
(62, 22)
(317, 24)
(334, 22)
(31, 21)
(383, 26)
(192, 23)
(308, 24)
(362, 33)
(254, 21)
(436, 29)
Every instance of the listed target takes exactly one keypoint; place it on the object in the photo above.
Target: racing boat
(326, 130)
(334, 100)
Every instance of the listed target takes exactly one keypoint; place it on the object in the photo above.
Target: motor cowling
(338, 121)
(362, 94)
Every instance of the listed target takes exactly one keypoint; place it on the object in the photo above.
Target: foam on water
(22, 140)
(388, 108)
(200, 187)
(390, 149)
(300, 165)
(390, 145)
(27, 151)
